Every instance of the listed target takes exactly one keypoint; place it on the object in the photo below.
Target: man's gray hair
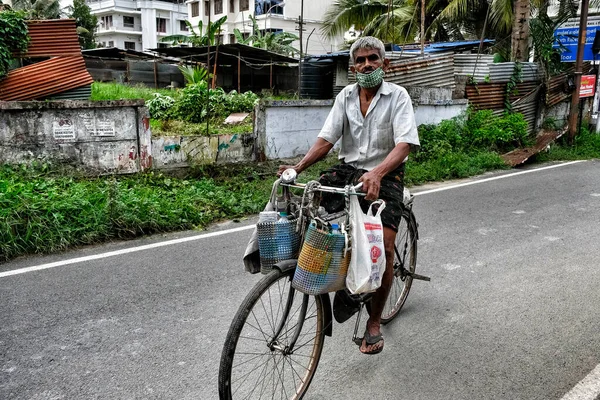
(367, 42)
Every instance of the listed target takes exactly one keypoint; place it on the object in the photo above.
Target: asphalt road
(512, 311)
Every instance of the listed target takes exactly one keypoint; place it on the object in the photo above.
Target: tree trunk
(520, 31)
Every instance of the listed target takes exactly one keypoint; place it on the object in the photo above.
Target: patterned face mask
(371, 80)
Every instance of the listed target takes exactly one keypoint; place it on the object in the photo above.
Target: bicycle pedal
(420, 277)
(344, 306)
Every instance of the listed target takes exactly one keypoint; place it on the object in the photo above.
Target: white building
(138, 24)
(272, 16)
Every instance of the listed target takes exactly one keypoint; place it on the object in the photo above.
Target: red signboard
(588, 86)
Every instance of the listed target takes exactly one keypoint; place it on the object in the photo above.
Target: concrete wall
(183, 151)
(104, 137)
(286, 129)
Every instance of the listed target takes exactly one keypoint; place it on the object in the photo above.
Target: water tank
(316, 81)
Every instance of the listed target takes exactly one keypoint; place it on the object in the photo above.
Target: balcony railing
(119, 26)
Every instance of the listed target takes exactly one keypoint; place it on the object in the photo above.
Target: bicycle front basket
(277, 241)
(322, 264)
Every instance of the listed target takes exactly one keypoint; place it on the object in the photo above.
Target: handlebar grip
(360, 184)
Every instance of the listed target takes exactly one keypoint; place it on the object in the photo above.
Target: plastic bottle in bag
(282, 236)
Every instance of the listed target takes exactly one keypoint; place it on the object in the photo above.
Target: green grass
(117, 91)
(585, 146)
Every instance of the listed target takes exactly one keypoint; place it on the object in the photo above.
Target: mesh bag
(322, 266)
(277, 241)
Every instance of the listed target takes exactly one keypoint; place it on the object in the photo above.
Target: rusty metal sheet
(429, 71)
(473, 65)
(52, 38)
(491, 95)
(543, 140)
(45, 78)
(502, 72)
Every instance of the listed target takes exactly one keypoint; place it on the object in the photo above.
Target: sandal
(371, 340)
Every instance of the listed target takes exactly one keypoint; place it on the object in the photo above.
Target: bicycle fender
(328, 314)
(286, 265)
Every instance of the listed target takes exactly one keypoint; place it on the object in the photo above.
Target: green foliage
(42, 210)
(116, 91)
(474, 132)
(193, 74)
(511, 87)
(85, 22)
(160, 106)
(277, 42)
(586, 145)
(198, 39)
(192, 104)
(13, 37)
(39, 9)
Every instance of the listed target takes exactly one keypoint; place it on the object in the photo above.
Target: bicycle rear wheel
(257, 361)
(405, 262)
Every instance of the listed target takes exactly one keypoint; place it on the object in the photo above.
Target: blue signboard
(568, 38)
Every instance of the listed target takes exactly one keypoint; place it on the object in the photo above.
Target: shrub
(160, 107)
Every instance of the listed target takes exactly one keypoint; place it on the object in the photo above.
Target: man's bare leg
(379, 298)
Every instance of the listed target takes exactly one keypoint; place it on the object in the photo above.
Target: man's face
(367, 61)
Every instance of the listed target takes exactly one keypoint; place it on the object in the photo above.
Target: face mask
(371, 80)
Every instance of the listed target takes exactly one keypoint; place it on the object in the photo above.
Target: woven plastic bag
(323, 262)
(368, 252)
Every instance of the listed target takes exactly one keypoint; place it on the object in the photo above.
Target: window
(268, 7)
(128, 22)
(183, 26)
(111, 43)
(244, 5)
(195, 9)
(218, 7)
(231, 7)
(231, 38)
(106, 21)
(129, 45)
(161, 25)
(163, 45)
(207, 8)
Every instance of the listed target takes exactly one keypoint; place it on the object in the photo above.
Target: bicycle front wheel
(405, 262)
(274, 343)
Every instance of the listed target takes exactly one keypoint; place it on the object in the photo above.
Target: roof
(51, 38)
(228, 53)
(442, 46)
(45, 78)
(115, 52)
(415, 48)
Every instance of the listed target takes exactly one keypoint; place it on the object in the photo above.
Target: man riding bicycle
(376, 124)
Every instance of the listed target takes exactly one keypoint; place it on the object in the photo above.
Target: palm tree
(277, 42)
(39, 9)
(197, 39)
(398, 21)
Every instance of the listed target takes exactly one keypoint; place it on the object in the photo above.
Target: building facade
(138, 24)
(271, 16)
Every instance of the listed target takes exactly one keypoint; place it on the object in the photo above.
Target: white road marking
(495, 178)
(587, 389)
(124, 251)
(243, 228)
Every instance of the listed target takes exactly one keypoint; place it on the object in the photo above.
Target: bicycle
(275, 341)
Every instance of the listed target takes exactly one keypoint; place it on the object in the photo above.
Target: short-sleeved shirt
(367, 141)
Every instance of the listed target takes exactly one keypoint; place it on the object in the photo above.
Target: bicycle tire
(256, 381)
(405, 260)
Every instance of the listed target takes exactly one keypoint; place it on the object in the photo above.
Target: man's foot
(371, 344)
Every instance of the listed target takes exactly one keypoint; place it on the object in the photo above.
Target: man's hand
(371, 184)
(284, 167)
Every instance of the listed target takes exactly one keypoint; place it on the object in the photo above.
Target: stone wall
(102, 137)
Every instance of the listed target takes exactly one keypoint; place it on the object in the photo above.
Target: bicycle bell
(289, 175)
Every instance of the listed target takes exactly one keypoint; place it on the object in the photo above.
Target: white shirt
(367, 141)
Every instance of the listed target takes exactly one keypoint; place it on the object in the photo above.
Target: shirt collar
(384, 89)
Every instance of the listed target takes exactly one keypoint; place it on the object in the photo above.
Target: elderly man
(375, 121)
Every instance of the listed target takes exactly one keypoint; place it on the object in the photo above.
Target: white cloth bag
(367, 263)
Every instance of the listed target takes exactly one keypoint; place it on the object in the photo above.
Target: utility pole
(578, 63)
(423, 27)
(300, 29)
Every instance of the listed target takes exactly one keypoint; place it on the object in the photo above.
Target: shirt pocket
(384, 140)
